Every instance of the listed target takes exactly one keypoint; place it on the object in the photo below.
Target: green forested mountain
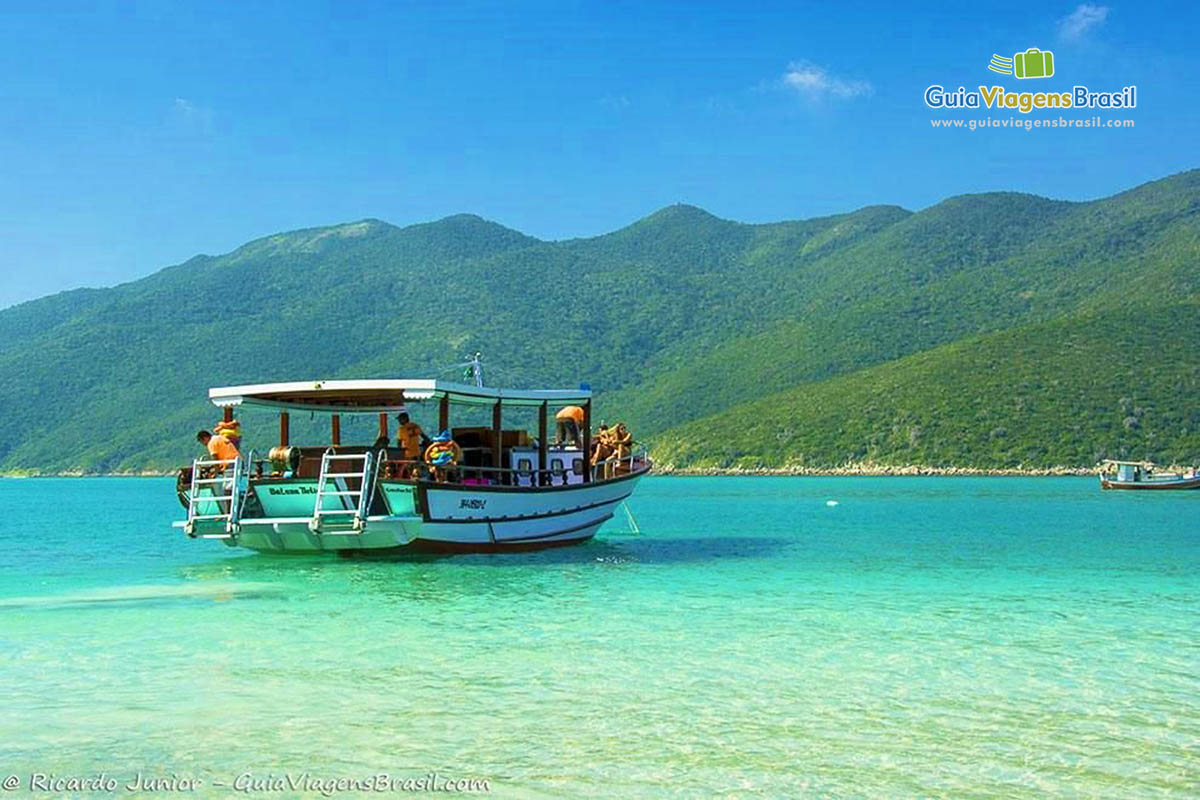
(1066, 392)
(988, 330)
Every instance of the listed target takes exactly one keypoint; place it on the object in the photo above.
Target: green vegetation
(1068, 392)
(939, 337)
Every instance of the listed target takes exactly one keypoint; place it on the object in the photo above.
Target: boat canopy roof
(382, 395)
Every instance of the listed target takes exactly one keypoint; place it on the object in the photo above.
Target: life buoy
(443, 454)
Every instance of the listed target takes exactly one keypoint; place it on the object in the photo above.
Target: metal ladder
(234, 479)
(361, 496)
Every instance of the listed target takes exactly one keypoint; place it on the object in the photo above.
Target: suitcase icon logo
(1033, 63)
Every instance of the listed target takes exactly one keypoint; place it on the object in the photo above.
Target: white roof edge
(414, 390)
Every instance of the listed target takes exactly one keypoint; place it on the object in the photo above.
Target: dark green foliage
(1067, 392)
(677, 317)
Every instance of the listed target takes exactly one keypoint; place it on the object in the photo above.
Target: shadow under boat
(627, 549)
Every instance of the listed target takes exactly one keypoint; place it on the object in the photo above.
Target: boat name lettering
(276, 490)
(473, 502)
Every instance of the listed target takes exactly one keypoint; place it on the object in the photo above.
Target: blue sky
(135, 135)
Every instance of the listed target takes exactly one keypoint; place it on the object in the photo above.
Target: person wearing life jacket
(569, 421)
(442, 455)
(231, 430)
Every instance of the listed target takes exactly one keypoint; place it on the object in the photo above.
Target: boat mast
(476, 369)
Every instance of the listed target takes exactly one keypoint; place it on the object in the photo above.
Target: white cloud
(191, 117)
(815, 82)
(614, 102)
(1083, 19)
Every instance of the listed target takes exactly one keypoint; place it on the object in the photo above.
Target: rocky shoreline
(149, 473)
(877, 470)
(846, 470)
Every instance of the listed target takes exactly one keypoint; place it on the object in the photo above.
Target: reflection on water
(965, 637)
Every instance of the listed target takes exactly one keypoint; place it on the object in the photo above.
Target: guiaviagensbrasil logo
(1024, 65)
(1033, 63)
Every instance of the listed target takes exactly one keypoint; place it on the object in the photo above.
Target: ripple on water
(967, 637)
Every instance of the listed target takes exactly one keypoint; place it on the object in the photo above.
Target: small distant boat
(1144, 475)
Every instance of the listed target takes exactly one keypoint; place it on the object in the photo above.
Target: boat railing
(614, 465)
(377, 465)
(414, 469)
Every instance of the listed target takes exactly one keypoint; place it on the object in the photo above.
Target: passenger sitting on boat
(602, 449)
(231, 430)
(218, 447)
(600, 440)
(569, 420)
(410, 437)
(381, 443)
(622, 443)
(442, 456)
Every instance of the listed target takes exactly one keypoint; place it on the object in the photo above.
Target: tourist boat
(1144, 475)
(506, 491)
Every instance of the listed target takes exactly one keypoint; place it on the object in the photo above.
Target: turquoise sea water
(952, 637)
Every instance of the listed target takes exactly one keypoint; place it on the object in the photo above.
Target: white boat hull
(453, 518)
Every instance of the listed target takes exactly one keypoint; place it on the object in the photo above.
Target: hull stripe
(576, 529)
(525, 518)
(530, 490)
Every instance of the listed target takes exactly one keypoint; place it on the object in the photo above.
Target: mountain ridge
(1192, 176)
(666, 317)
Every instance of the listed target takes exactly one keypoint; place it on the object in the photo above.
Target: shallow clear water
(983, 637)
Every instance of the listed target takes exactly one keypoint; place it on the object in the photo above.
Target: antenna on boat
(475, 369)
